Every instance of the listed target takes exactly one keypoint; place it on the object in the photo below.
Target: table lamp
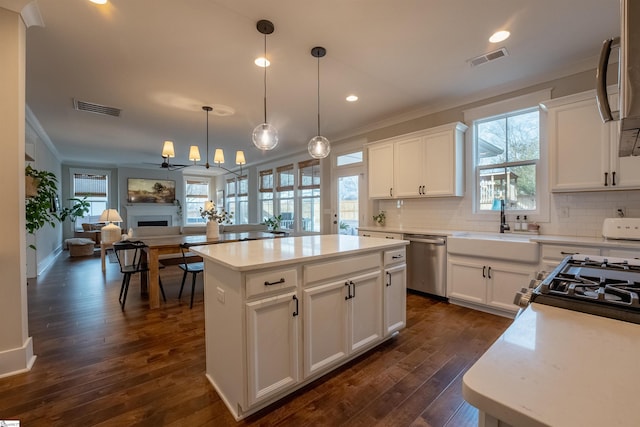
(110, 232)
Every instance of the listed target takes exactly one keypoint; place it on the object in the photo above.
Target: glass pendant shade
(319, 147)
(265, 137)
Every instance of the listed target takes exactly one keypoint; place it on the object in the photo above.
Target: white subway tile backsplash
(587, 211)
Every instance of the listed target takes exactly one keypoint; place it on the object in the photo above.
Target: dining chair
(189, 267)
(130, 257)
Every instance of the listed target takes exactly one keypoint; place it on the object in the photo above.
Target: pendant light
(319, 146)
(265, 136)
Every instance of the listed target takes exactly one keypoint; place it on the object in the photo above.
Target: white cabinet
(427, 163)
(552, 254)
(583, 151)
(342, 313)
(272, 345)
(380, 174)
(486, 284)
(395, 291)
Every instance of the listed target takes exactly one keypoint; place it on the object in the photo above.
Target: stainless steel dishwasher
(427, 264)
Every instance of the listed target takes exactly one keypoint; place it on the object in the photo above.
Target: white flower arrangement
(212, 214)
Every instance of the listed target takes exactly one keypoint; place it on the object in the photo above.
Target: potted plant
(273, 223)
(214, 219)
(38, 207)
(379, 219)
(78, 209)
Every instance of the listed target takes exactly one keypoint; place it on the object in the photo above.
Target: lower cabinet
(485, 283)
(273, 336)
(340, 318)
(271, 331)
(395, 291)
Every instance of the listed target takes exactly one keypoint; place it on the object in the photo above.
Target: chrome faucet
(503, 220)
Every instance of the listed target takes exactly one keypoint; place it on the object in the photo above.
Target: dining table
(157, 246)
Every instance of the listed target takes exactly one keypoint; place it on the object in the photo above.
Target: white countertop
(559, 367)
(250, 255)
(538, 238)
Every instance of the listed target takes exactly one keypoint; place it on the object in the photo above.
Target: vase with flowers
(214, 219)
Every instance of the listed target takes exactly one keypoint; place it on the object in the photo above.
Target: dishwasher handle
(431, 240)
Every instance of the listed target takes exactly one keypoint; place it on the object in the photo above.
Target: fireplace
(145, 215)
(152, 223)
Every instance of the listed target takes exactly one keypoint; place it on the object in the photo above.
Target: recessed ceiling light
(352, 98)
(98, 1)
(499, 36)
(262, 62)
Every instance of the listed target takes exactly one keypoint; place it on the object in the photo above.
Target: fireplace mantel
(151, 211)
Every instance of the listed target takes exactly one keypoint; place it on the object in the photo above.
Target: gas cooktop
(603, 286)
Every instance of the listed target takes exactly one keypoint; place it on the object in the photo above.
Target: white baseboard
(17, 360)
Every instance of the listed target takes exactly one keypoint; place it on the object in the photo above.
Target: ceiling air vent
(490, 56)
(96, 108)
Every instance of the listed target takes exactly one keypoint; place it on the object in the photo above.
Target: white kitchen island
(280, 313)
(558, 367)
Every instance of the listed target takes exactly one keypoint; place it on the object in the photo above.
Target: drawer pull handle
(569, 253)
(348, 297)
(366, 235)
(489, 273)
(388, 279)
(484, 271)
(396, 256)
(274, 283)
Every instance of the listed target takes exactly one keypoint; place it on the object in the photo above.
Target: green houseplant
(273, 223)
(380, 218)
(40, 208)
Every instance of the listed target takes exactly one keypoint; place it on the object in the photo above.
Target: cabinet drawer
(380, 235)
(622, 253)
(343, 268)
(396, 256)
(271, 281)
(560, 252)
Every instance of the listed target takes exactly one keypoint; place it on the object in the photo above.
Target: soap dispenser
(518, 225)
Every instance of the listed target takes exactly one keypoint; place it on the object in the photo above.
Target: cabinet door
(439, 165)
(272, 345)
(504, 282)
(325, 326)
(365, 310)
(409, 158)
(395, 298)
(381, 171)
(466, 281)
(578, 145)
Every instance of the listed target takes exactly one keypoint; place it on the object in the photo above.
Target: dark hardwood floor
(98, 365)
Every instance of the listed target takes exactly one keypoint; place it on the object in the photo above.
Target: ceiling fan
(168, 152)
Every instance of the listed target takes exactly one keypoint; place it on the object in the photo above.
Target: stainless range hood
(629, 79)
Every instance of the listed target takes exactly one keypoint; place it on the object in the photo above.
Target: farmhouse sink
(507, 247)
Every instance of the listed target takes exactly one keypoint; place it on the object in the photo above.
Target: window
(349, 158)
(285, 195)
(309, 186)
(196, 195)
(94, 188)
(230, 199)
(242, 201)
(507, 151)
(265, 195)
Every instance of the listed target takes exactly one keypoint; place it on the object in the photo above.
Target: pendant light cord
(318, 95)
(265, 78)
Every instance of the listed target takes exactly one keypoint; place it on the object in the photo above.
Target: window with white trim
(507, 150)
(93, 186)
(309, 191)
(196, 195)
(285, 197)
(508, 155)
(265, 194)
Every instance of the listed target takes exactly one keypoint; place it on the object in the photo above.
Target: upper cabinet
(583, 151)
(427, 163)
